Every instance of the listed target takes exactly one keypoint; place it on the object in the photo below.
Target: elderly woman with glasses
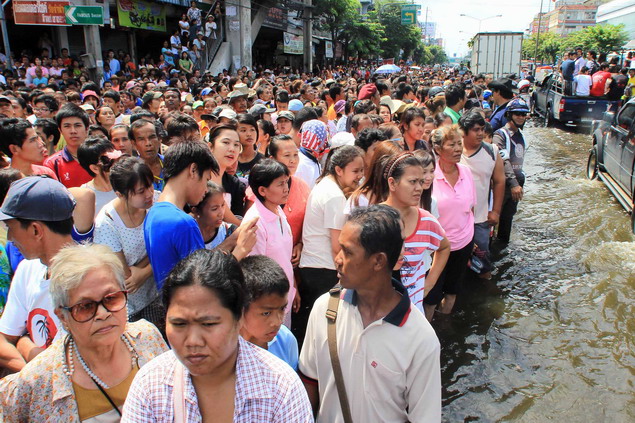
(85, 375)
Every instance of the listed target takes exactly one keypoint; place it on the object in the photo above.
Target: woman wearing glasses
(84, 375)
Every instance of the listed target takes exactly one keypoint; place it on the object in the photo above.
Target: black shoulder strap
(489, 149)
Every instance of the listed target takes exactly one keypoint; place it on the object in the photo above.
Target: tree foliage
(402, 39)
(362, 36)
(601, 38)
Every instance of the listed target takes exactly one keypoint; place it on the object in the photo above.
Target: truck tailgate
(582, 109)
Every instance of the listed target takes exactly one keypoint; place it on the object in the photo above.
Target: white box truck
(497, 53)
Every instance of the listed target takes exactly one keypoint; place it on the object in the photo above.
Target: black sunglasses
(86, 310)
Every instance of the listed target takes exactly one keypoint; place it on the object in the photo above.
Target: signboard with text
(276, 18)
(141, 14)
(293, 44)
(409, 14)
(39, 12)
(84, 15)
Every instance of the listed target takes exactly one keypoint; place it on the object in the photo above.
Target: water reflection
(550, 338)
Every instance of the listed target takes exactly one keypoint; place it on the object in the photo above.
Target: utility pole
(538, 36)
(308, 35)
(425, 30)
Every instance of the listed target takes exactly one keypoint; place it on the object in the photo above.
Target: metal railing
(213, 45)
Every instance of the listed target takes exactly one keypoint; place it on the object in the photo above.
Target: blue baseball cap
(205, 91)
(295, 105)
(37, 198)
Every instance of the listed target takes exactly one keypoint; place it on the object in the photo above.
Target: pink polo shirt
(274, 240)
(455, 205)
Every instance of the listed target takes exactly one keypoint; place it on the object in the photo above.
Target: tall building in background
(566, 16)
(618, 12)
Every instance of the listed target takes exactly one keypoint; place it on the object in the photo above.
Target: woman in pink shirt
(455, 193)
(269, 181)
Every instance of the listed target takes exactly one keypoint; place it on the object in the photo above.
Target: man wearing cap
(198, 108)
(260, 111)
(90, 97)
(369, 92)
(6, 107)
(512, 147)
(284, 123)
(238, 101)
(227, 116)
(502, 93)
(39, 233)
(151, 101)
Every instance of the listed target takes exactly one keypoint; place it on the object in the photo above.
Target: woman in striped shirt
(426, 249)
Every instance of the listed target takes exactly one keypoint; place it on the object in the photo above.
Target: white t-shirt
(175, 41)
(101, 197)
(210, 30)
(482, 166)
(308, 170)
(111, 231)
(583, 85)
(29, 308)
(324, 211)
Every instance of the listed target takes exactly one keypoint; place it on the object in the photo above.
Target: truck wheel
(592, 164)
(548, 118)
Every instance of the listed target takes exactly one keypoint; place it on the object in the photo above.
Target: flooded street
(551, 336)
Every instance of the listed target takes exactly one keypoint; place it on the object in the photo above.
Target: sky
(457, 30)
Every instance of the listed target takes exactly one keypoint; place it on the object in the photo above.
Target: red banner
(40, 12)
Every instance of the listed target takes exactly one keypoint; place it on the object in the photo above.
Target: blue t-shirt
(170, 235)
(285, 347)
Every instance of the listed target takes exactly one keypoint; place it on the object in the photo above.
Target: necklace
(68, 370)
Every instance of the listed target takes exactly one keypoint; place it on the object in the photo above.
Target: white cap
(227, 113)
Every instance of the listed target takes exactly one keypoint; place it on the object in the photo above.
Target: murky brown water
(551, 337)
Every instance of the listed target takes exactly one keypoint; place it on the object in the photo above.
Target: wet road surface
(550, 337)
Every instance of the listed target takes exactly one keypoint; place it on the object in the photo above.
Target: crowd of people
(588, 75)
(267, 246)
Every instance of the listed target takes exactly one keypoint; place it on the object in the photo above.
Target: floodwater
(551, 336)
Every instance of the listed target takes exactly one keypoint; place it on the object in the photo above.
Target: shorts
(481, 240)
(451, 279)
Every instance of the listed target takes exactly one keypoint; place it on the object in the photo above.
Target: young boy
(73, 123)
(170, 233)
(267, 288)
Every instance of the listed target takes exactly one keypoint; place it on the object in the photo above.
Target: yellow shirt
(631, 82)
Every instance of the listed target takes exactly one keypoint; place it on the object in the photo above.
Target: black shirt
(233, 186)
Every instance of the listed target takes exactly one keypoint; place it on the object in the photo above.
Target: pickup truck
(550, 103)
(612, 155)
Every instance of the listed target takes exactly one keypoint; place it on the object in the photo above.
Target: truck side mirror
(608, 117)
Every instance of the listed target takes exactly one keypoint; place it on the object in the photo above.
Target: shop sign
(293, 44)
(39, 12)
(141, 14)
(328, 46)
(276, 18)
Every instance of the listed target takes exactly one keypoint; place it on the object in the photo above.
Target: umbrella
(388, 69)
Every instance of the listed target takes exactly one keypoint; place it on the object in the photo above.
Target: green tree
(338, 13)
(438, 55)
(601, 38)
(402, 38)
(362, 36)
(549, 46)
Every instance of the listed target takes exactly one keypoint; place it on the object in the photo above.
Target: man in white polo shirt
(388, 351)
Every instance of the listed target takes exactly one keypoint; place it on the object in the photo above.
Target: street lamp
(480, 20)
